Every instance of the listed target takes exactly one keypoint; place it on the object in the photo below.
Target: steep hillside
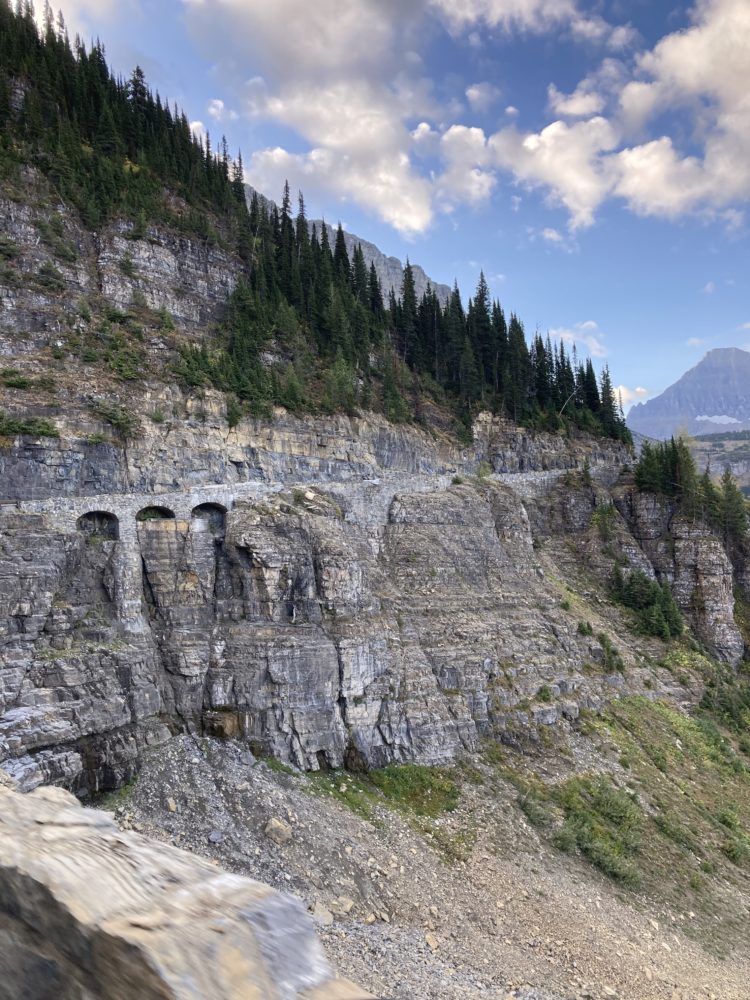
(495, 670)
(713, 396)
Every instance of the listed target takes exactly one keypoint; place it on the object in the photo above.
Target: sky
(592, 157)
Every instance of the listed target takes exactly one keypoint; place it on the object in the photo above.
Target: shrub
(603, 519)
(605, 823)
(124, 422)
(11, 378)
(612, 658)
(34, 426)
(8, 249)
(127, 266)
(49, 277)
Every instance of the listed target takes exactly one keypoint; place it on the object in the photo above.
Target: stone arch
(214, 513)
(154, 513)
(99, 524)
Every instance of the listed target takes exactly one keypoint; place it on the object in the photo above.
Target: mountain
(713, 396)
(390, 270)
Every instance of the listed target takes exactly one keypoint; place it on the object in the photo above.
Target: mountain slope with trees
(308, 327)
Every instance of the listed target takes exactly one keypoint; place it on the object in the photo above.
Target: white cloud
(465, 179)
(533, 16)
(349, 80)
(695, 342)
(705, 71)
(339, 76)
(709, 288)
(198, 129)
(744, 326)
(581, 103)
(526, 15)
(585, 336)
(564, 158)
(219, 111)
(481, 96)
(552, 236)
(79, 14)
(630, 396)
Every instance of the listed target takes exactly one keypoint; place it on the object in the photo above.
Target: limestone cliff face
(332, 590)
(316, 587)
(695, 563)
(59, 265)
(321, 589)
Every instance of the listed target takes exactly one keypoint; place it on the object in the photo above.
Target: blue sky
(591, 156)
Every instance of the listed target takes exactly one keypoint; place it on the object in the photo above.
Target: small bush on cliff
(125, 423)
(35, 426)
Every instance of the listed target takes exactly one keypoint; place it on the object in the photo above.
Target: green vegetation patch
(412, 788)
(33, 426)
(425, 791)
(604, 822)
(655, 609)
(124, 422)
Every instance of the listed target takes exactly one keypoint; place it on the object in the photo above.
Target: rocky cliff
(331, 590)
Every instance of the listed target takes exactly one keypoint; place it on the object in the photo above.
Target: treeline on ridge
(308, 327)
(667, 468)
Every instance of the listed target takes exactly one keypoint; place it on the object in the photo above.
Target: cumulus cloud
(585, 336)
(334, 73)
(348, 79)
(219, 111)
(744, 326)
(581, 103)
(564, 159)
(703, 70)
(481, 96)
(552, 236)
(465, 179)
(695, 342)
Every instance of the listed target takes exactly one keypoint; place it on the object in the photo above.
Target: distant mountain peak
(712, 396)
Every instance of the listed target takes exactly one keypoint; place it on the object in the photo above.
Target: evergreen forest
(308, 327)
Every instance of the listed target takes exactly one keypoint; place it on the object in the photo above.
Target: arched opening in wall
(214, 514)
(99, 524)
(155, 514)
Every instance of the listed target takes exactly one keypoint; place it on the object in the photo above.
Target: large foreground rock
(90, 913)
